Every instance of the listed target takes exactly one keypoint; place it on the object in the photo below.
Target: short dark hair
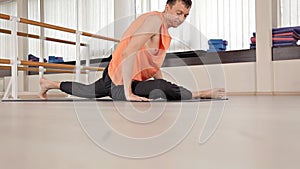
(188, 3)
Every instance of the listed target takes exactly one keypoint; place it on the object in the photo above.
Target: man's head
(187, 3)
(177, 11)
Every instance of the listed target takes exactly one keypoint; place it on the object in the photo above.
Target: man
(134, 71)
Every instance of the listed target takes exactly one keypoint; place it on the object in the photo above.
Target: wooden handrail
(5, 31)
(5, 61)
(45, 25)
(37, 70)
(59, 28)
(93, 68)
(3, 16)
(64, 41)
(38, 37)
(52, 65)
(99, 37)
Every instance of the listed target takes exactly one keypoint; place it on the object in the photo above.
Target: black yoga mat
(105, 100)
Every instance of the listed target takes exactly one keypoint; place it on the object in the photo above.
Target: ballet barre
(32, 69)
(22, 34)
(59, 28)
(51, 65)
(15, 63)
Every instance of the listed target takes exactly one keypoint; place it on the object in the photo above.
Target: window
(232, 20)
(9, 8)
(290, 15)
(94, 17)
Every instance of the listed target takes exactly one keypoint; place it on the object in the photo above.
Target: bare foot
(217, 93)
(46, 85)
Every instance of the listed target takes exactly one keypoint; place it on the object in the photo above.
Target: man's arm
(150, 27)
(158, 75)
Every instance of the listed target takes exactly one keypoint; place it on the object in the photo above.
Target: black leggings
(152, 89)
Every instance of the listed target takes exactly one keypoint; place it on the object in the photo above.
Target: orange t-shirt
(146, 63)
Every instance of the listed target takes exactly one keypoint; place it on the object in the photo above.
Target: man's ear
(167, 7)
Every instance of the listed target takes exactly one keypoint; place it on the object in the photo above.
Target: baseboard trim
(240, 93)
(286, 93)
(27, 95)
(263, 93)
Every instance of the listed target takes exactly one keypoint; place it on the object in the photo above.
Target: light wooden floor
(255, 132)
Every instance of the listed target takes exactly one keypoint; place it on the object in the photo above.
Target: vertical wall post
(14, 58)
(123, 8)
(42, 40)
(264, 64)
(78, 33)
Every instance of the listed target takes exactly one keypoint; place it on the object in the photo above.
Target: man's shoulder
(153, 17)
(153, 14)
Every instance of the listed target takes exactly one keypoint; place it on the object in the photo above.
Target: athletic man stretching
(137, 59)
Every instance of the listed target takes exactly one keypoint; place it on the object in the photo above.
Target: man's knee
(171, 91)
(185, 94)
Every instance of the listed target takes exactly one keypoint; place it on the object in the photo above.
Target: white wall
(286, 76)
(20, 83)
(238, 77)
(124, 14)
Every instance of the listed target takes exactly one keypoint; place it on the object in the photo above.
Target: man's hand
(133, 97)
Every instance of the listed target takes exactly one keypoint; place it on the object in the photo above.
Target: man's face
(176, 14)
